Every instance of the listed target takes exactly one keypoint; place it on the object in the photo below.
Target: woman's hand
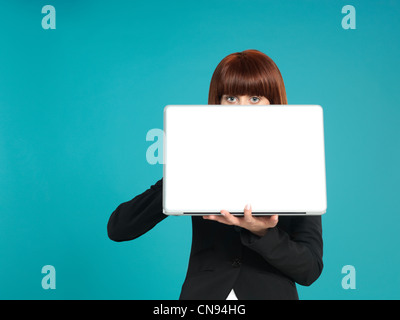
(256, 225)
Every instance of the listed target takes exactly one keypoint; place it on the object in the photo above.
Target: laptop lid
(223, 157)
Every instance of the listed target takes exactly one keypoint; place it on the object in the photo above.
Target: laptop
(221, 157)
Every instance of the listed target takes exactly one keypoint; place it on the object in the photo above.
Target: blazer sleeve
(133, 218)
(297, 253)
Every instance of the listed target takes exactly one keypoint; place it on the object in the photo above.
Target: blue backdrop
(76, 103)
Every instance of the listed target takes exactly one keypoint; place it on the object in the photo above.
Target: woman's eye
(231, 99)
(254, 99)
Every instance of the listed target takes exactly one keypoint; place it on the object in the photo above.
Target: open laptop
(225, 156)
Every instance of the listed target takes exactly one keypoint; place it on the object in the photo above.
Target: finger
(230, 218)
(274, 220)
(217, 218)
(247, 213)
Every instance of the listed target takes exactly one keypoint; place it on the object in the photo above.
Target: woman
(245, 257)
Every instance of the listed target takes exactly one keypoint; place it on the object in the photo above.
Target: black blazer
(224, 257)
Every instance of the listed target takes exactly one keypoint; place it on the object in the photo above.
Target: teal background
(76, 104)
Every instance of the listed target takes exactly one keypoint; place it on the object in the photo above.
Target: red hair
(249, 72)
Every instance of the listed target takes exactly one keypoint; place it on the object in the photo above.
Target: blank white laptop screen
(223, 157)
